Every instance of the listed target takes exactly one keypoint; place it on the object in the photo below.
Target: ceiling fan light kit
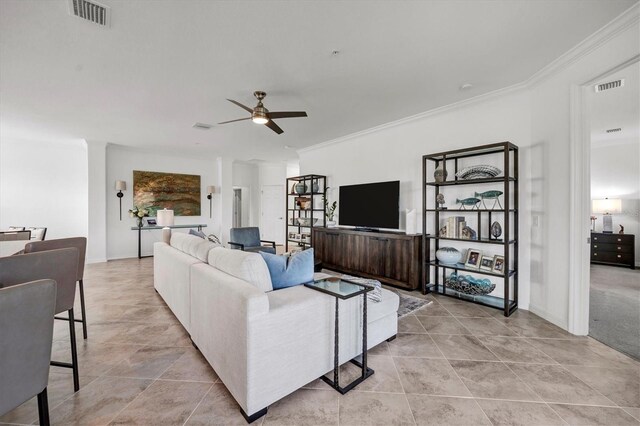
(261, 115)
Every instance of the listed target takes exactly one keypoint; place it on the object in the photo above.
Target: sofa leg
(392, 338)
(255, 416)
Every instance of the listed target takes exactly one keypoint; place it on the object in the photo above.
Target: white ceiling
(164, 65)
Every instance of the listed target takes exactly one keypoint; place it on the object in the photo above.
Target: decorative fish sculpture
(468, 202)
(490, 195)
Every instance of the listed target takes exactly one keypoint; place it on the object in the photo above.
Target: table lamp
(607, 207)
(165, 219)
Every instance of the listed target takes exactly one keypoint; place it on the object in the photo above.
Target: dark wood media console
(391, 257)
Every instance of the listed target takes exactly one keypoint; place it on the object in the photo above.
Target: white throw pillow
(247, 266)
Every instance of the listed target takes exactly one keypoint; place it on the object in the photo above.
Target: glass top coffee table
(343, 289)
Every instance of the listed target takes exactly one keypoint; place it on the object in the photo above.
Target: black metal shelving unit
(316, 209)
(451, 160)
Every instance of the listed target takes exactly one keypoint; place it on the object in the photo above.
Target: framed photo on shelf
(294, 236)
(486, 263)
(473, 259)
(498, 264)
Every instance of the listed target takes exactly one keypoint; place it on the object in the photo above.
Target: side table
(343, 290)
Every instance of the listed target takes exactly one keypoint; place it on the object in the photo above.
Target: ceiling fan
(261, 115)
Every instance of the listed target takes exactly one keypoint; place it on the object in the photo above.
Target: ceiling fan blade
(273, 126)
(239, 119)
(246, 108)
(287, 114)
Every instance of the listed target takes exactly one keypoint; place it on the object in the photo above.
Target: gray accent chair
(79, 243)
(248, 239)
(26, 333)
(15, 235)
(60, 265)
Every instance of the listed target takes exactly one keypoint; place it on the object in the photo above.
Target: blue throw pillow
(197, 233)
(298, 270)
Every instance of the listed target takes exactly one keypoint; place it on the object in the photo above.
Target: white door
(272, 219)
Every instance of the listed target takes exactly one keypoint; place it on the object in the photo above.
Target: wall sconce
(120, 186)
(606, 207)
(210, 191)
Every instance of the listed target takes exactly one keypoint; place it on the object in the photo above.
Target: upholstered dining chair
(79, 243)
(15, 235)
(248, 239)
(59, 265)
(26, 333)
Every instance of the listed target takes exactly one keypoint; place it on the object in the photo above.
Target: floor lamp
(165, 219)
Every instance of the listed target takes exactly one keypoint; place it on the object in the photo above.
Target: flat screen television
(370, 205)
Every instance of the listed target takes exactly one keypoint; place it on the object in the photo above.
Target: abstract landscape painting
(155, 191)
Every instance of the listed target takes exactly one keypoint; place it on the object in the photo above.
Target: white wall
(537, 119)
(615, 173)
(44, 184)
(121, 161)
(246, 176)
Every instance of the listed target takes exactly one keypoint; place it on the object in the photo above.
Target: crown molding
(621, 23)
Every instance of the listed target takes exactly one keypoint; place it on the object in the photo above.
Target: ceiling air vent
(202, 126)
(609, 85)
(90, 11)
(619, 129)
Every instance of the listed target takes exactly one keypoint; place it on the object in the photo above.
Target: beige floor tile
(463, 347)
(442, 325)
(191, 366)
(94, 358)
(384, 379)
(432, 310)
(380, 349)
(540, 329)
(410, 324)
(511, 413)
(419, 345)
(98, 402)
(514, 350)
(218, 408)
(369, 408)
(555, 384)
(622, 386)
(579, 415)
(429, 376)
(635, 412)
(446, 411)
(305, 407)
(148, 362)
(466, 310)
(578, 352)
(486, 327)
(163, 403)
(492, 380)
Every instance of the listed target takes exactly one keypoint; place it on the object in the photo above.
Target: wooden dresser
(390, 257)
(613, 249)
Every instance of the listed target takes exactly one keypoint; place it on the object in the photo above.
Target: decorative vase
(331, 224)
(140, 222)
(496, 230)
(315, 187)
(301, 188)
(440, 175)
(448, 255)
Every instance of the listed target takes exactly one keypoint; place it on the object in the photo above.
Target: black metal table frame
(140, 228)
(366, 371)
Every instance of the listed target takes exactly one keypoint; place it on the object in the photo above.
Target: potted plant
(139, 213)
(330, 210)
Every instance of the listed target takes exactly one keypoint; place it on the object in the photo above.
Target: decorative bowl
(478, 172)
(448, 255)
(306, 221)
(470, 285)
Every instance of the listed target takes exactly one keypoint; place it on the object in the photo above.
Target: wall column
(97, 187)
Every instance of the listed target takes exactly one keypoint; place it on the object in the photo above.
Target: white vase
(331, 224)
(448, 255)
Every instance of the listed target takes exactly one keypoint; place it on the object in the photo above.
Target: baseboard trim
(97, 260)
(544, 314)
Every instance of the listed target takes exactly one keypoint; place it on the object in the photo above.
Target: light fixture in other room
(165, 219)
(210, 191)
(607, 207)
(120, 186)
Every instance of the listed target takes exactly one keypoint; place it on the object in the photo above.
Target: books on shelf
(455, 225)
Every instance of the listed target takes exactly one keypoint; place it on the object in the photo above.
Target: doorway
(237, 208)
(613, 107)
(272, 213)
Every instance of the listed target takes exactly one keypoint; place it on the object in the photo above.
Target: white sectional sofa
(264, 344)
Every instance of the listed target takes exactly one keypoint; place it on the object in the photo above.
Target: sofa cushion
(241, 264)
(191, 245)
(289, 271)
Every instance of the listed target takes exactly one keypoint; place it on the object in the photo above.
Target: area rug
(409, 304)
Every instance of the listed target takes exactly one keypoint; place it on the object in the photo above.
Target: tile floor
(452, 364)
